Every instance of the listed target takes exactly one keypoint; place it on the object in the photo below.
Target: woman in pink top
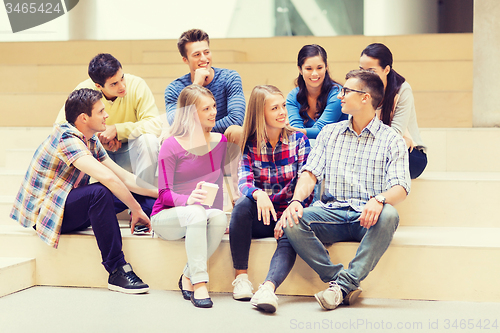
(190, 156)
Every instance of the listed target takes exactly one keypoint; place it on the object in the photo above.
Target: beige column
(486, 89)
(83, 20)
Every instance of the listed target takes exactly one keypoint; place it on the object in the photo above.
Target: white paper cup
(211, 193)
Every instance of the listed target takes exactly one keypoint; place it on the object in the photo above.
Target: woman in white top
(398, 108)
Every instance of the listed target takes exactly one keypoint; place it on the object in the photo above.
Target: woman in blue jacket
(314, 103)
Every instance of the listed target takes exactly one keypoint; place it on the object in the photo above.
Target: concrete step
(18, 159)
(405, 48)
(16, 274)
(451, 199)
(462, 149)
(6, 202)
(11, 181)
(421, 263)
(55, 78)
(21, 138)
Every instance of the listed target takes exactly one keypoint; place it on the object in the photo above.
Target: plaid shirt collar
(372, 127)
(282, 140)
(73, 129)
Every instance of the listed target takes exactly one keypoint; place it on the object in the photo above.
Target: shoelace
(267, 290)
(132, 277)
(235, 282)
(336, 289)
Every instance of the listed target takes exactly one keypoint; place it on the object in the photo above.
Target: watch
(380, 198)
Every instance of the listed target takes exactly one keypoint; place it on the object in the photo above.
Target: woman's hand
(409, 143)
(198, 195)
(264, 207)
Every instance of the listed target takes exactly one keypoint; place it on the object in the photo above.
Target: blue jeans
(243, 227)
(320, 226)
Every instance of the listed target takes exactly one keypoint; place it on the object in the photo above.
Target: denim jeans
(320, 226)
(139, 156)
(94, 205)
(243, 227)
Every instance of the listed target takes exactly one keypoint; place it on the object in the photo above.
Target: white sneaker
(243, 289)
(330, 298)
(265, 299)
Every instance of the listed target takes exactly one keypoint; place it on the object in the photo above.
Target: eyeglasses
(345, 90)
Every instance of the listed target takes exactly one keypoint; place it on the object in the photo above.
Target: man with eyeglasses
(364, 164)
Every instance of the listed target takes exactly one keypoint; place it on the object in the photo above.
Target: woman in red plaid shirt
(273, 153)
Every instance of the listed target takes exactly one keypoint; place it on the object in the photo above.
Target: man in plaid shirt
(364, 165)
(55, 196)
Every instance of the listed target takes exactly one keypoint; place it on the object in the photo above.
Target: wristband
(295, 200)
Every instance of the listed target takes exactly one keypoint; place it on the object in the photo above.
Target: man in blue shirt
(225, 85)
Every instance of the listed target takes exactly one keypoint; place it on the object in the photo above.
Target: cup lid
(210, 185)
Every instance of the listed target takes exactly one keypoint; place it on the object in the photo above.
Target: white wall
(400, 17)
(131, 19)
(54, 30)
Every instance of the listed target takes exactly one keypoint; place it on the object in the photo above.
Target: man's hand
(108, 135)
(112, 145)
(197, 195)
(139, 217)
(292, 214)
(278, 229)
(264, 207)
(201, 75)
(370, 214)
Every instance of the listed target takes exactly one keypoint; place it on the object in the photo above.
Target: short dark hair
(193, 35)
(371, 83)
(102, 67)
(81, 101)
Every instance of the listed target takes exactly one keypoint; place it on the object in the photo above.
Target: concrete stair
(16, 274)
(445, 230)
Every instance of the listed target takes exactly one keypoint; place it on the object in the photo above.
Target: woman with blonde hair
(273, 153)
(190, 156)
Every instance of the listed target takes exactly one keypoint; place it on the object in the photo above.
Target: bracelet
(295, 200)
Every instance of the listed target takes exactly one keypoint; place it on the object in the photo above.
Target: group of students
(360, 140)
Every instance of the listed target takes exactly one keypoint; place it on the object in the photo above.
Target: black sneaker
(124, 279)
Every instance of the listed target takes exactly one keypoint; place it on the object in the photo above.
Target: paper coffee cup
(211, 193)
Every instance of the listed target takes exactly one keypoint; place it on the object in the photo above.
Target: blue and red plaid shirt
(274, 171)
(49, 179)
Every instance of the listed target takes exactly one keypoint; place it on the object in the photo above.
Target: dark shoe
(185, 293)
(352, 296)
(123, 279)
(201, 303)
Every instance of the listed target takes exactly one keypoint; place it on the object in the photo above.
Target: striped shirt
(49, 179)
(274, 170)
(357, 167)
(227, 90)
